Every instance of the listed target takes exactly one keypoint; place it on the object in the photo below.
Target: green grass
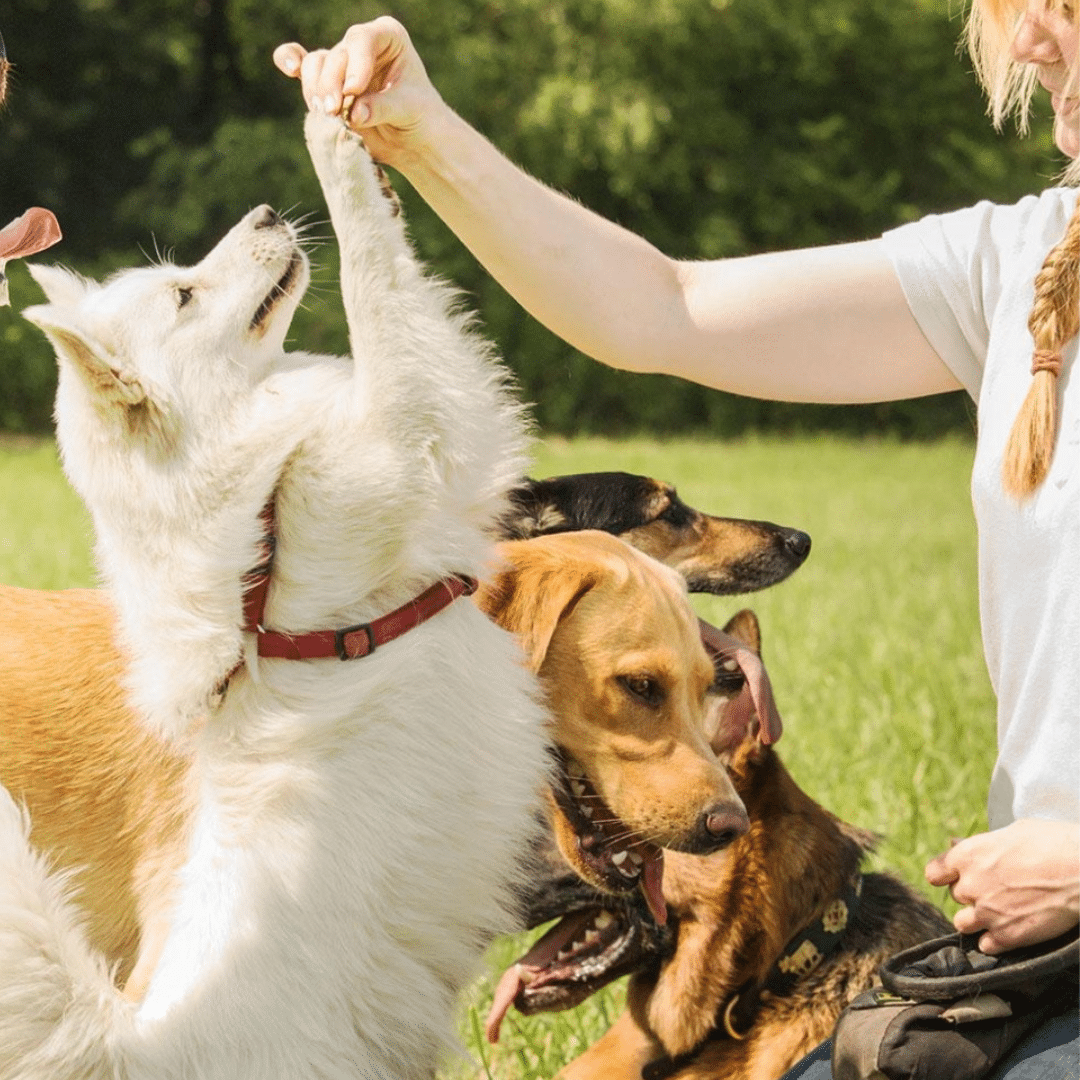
(45, 535)
(873, 646)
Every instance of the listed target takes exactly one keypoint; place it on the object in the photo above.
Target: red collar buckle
(341, 647)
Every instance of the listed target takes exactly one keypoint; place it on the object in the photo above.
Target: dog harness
(350, 642)
(803, 954)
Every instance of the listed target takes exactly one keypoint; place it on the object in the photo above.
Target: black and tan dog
(765, 944)
(716, 555)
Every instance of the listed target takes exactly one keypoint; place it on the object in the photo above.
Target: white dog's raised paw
(330, 143)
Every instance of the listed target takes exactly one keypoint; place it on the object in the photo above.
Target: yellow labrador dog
(620, 655)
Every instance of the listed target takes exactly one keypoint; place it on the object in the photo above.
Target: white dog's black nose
(268, 218)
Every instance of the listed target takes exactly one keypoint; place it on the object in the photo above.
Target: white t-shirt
(969, 279)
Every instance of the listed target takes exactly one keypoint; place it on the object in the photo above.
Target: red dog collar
(351, 642)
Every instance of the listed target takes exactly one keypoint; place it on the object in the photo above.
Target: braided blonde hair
(1054, 321)
(1055, 315)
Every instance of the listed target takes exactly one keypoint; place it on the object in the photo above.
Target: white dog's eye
(183, 295)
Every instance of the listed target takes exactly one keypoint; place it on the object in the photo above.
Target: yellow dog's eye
(644, 687)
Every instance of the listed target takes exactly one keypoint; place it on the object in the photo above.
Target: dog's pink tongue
(34, 231)
(509, 986)
(545, 951)
(756, 696)
(652, 881)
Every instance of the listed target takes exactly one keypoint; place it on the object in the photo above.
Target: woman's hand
(376, 65)
(1019, 884)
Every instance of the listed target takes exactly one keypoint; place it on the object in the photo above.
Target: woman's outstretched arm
(822, 324)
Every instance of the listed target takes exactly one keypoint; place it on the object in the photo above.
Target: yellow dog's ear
(532, 592)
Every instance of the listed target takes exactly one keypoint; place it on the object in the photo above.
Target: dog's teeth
(722, 700)
(629, 872)
(577, 787)
(619, 857)
(587, 811)
(730, 665)
(592, 937)
(636, 859)
(603, 920)
(564, 954)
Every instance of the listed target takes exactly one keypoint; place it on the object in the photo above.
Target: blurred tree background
(712, 127)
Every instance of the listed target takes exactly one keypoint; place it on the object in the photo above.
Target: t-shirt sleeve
(949, 266)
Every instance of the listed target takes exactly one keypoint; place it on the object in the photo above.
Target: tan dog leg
(620, 1054)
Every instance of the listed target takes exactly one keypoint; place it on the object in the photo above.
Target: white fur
(355, 821)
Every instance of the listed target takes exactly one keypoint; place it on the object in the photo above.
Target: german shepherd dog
(765, 943)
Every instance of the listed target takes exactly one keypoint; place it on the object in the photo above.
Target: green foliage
(712, 127)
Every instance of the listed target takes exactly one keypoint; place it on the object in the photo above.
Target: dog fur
(5, 71)
(111, 823)
(108, 799)
(617, 647)
(714, 554)
(355, 824)
(731, 916)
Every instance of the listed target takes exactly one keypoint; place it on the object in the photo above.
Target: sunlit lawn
(873, 646)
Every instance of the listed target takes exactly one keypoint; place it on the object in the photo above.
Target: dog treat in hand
(34, 231)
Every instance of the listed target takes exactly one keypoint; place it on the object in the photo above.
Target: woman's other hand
(1019, 884)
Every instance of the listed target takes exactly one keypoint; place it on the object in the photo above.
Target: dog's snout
(718, 827)
(268, 218)
(798, 543)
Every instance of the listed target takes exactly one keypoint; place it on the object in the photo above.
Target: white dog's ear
(104, 373)
(61, 286)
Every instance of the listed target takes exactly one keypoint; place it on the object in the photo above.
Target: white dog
(349, 825)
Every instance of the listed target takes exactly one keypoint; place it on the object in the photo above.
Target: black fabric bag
(946, 1011)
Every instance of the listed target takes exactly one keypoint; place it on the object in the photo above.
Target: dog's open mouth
(610, 855)
(581, 953)
(282, 287)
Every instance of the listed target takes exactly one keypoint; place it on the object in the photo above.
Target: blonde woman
(984, 299)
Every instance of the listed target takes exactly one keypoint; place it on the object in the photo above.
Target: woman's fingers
(288, 58)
